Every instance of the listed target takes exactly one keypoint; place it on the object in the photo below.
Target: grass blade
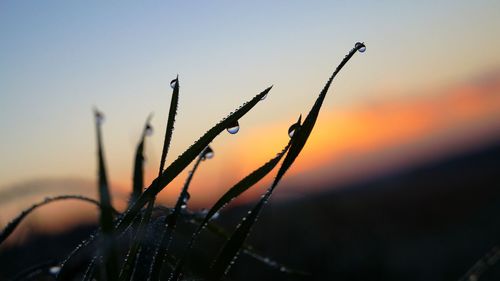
(138, 178)
(128, 266)
(247, 250)
(299, 138)
(170, 121)
(171, 220)
(225, 199)
(89, 272)
(106, 215)
(11, 226)
(183, 160)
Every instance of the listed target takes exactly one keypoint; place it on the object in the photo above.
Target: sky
(427, 84)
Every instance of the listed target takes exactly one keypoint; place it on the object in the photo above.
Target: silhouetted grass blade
(106, 214)
(127, 268)
(246, 249)
(89, 272)
(170, 122)
(11, 226)
(138, 178)
(131, 258)
(234, 244)
(225, 199)
(171, 221)
(242, 186)
(184, 159)
(128, 265)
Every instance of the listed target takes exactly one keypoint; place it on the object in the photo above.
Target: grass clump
(150, 242)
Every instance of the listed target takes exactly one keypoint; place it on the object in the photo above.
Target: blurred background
(399, 180)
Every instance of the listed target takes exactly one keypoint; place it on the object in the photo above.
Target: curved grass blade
(106, 215)
(171, 222)
(231, 194)
(138, 178)
(232, 247)
(184, 159)
(11, 226)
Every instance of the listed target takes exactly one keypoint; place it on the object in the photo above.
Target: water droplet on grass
(54, 270)
(186, 197)
(233, 128)
(208, 153)
(292, 129)
(216, 216)
(264, 97)
(99, 117)
(360, 46)
(149, 130)
(174, 82)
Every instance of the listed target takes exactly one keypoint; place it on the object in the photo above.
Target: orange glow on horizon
(346, 145)
(396, 132)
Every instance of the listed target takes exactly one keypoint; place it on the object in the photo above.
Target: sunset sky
(428, 84)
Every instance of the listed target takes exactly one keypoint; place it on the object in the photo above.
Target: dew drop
(149, 130)
(360, 46)
(292, 129)
(233, 128)
(174, 82)
(186, 197)
(208, 153)
(264, 97)
(54, 270)
(99, 117)
(216, 216)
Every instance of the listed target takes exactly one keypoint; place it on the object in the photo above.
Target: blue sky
(60, 58)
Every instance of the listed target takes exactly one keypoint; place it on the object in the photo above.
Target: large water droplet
(293, 129)
(233, 128)
(149, 130)
(360, 46)
(264, 97)
(174, 82)
(208, 153)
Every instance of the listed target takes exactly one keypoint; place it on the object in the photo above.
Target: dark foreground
(428, 223)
